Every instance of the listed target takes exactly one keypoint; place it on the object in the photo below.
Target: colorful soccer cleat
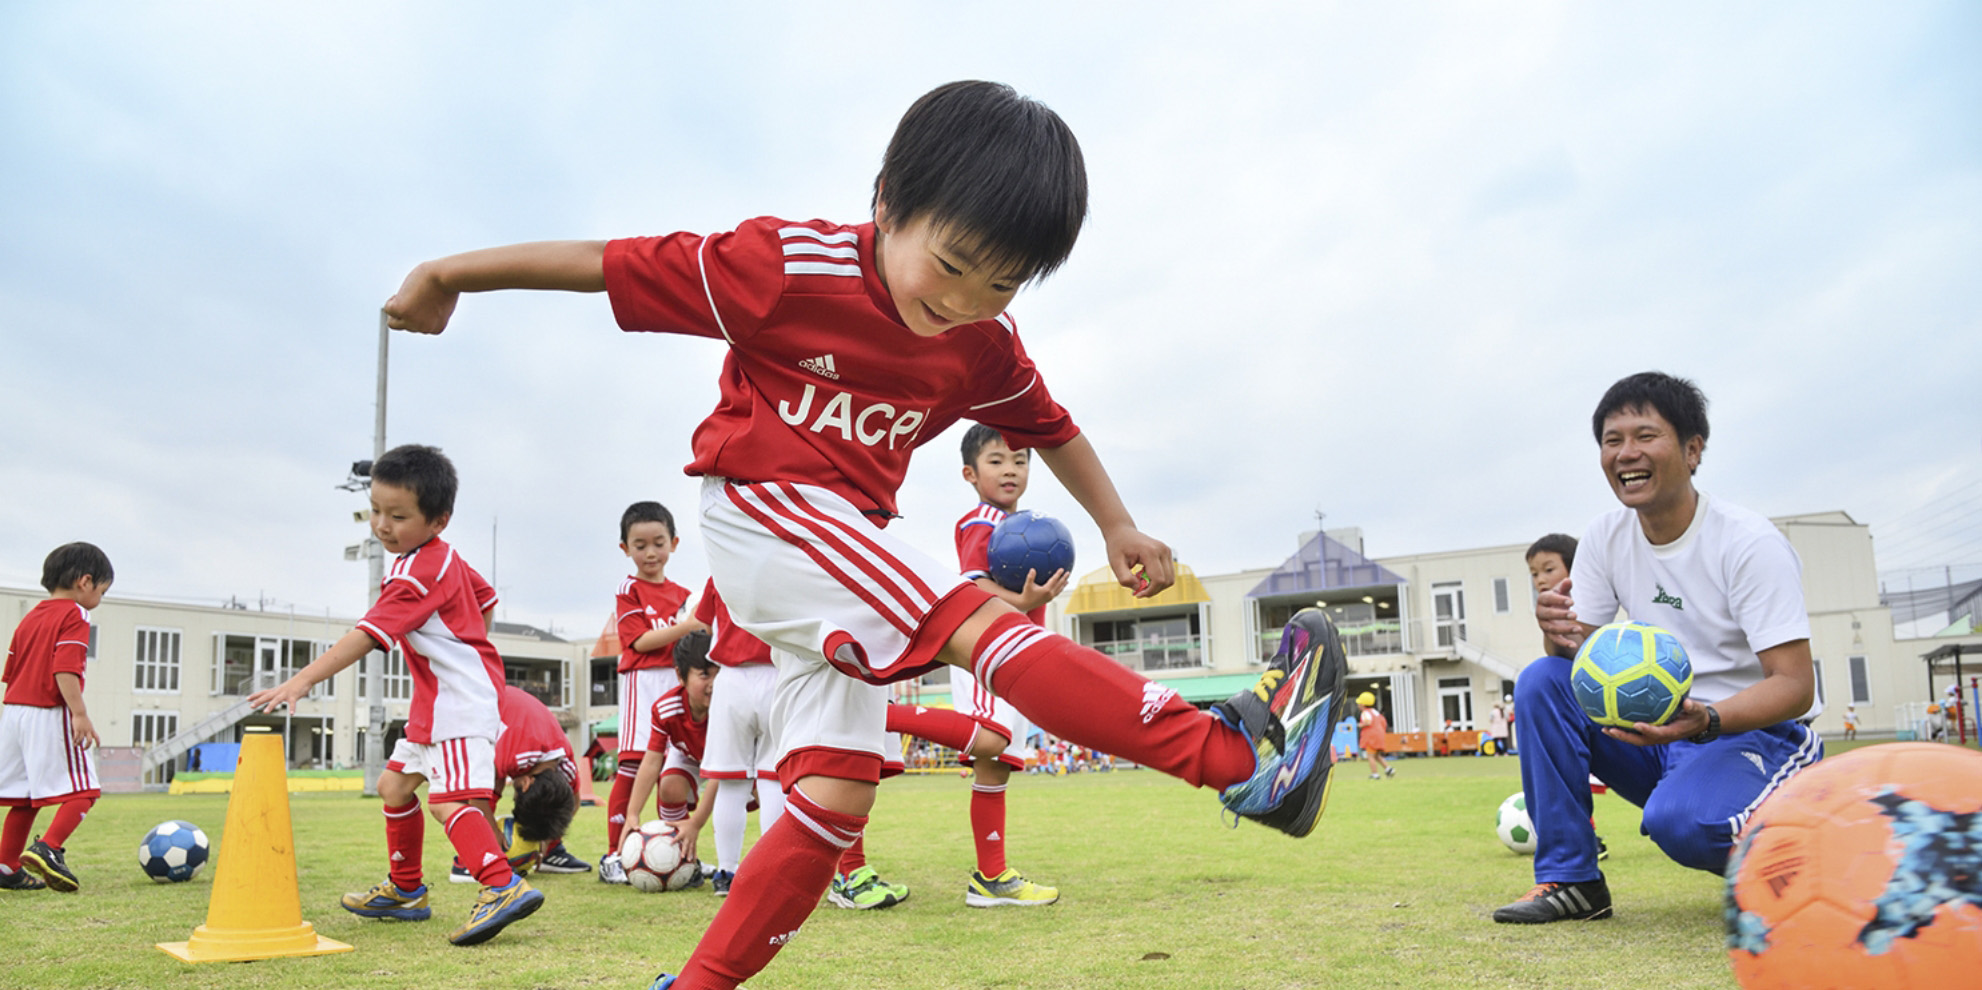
(1290, 715)
(1007, 889)
(864, 890)
(48, 862)
(389, 902)
(610, 870)
(496, 909)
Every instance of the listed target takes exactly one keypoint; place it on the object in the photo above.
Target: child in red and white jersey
(740, 756)
(651, 613)
(848, 344)
(678, 735)
(533, 757)
(434, 607)
(45, 729)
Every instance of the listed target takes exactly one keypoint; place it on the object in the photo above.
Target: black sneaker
(560, 860)
(1290, 716)
(21, 880)
(46, 860)
(720, 881)
(1585, 901)
(1603, 851)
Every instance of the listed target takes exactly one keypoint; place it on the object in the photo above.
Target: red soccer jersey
(729, 645)
(530, 735)
(674, 723)
(431, 605)
(974, 546)
(643, 606)
(823, 384)
(53, 638)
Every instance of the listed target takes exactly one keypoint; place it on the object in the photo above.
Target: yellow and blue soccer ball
(173, 852)
(1630, 672)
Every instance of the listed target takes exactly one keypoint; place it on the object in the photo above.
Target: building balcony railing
(1364, 639)
(1157, 653)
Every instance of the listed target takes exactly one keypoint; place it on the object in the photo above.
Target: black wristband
(1712, 731)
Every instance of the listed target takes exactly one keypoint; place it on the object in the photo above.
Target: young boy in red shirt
(45, 731)
(433, 607)
(848, 344)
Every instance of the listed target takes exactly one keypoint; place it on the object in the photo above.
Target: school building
(1437, 637)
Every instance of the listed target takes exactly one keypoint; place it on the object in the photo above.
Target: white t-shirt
(1729, 587)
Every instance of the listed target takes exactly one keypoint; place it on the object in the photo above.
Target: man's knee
(1688, 841)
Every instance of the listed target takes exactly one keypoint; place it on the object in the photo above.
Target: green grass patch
(1393, 890)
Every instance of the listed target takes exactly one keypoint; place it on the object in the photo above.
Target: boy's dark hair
(424, 471)
(1678, 400)
(984, 162)
(691, 652)
(640, 512)
(71, 562)
(545, 809)
(1561, 544)
(974, 441)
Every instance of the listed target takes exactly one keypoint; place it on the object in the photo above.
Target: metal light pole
(375, 556)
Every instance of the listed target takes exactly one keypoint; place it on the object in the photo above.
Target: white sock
(728, 818)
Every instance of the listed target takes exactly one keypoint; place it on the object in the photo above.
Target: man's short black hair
(71, 562)
(1004, 171)
(544, 809)
(976, 439)
(1678, 400)
(424, 471)
(691, 652)
(640, 512)
(1561, 544)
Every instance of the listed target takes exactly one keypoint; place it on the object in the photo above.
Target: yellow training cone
(255, 911)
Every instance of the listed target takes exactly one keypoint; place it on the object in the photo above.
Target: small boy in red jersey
(678, 733)
(652, 613)
(432, 606)
(847, 345)
(45, 731)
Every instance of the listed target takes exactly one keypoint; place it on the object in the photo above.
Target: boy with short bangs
(652, 613)
(678, 733)
(433, 606)
(45, 730)
(1549, 561)
(848, 344)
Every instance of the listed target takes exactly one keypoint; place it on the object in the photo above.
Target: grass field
(1393, 890)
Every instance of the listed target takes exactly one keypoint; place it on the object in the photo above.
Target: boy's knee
(987, 745)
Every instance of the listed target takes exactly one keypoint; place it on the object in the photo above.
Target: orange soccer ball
(1863, 871)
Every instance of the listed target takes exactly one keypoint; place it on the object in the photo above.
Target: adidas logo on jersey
(1153, 697)
(821, 365)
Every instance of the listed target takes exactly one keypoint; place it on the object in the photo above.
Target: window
(244, 664)
(1448, 611)
(398, 680)
(1155, 643)
(92, 641)
(1861, 681)
(156, 669)
(1455, 702)
(1501, 603)
(149, 728)
(1818, 666)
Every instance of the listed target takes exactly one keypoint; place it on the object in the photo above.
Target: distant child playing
(432, 606)
(678, 734)
(45, 731)
(848, 344)
(651, 612)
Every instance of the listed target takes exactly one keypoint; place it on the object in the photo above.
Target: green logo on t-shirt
(1664, 599)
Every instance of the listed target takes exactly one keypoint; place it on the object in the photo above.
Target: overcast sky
(1371, 260)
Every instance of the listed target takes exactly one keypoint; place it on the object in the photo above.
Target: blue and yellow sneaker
(389, 902)
(1290, 715)
(496, 909)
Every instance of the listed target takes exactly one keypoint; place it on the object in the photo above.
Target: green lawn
(1393, 890)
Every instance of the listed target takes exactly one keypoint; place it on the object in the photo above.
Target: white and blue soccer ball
(1512, 824)
(1630, 672)
(1026, 541)
(173, 852)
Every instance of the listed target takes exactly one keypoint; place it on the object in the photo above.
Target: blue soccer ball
(1630, 672)
(173, 852)
(1027, 541)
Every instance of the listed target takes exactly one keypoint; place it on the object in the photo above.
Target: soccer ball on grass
(1511, 823)
(173, 852)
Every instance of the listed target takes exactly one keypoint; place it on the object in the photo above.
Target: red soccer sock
(987, 827)
(68, 815)
(1088, 699)
(14, 836)
(405, 838)
(674, 812)
(777, 888)
(621, 796)
(475, 843)
(854, 856)
(942, 726)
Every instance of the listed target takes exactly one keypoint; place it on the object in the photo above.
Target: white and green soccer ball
(1511, 823)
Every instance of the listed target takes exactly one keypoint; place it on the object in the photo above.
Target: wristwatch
(1711, 732)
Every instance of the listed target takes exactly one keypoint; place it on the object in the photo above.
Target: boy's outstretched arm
(1079, 469)
(425, 301)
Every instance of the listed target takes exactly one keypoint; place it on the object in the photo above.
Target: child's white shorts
(739, 745)
(970, 698)
(40, 763)
(461, 769)
(638, 690)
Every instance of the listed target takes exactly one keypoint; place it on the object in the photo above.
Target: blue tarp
(214, 757)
